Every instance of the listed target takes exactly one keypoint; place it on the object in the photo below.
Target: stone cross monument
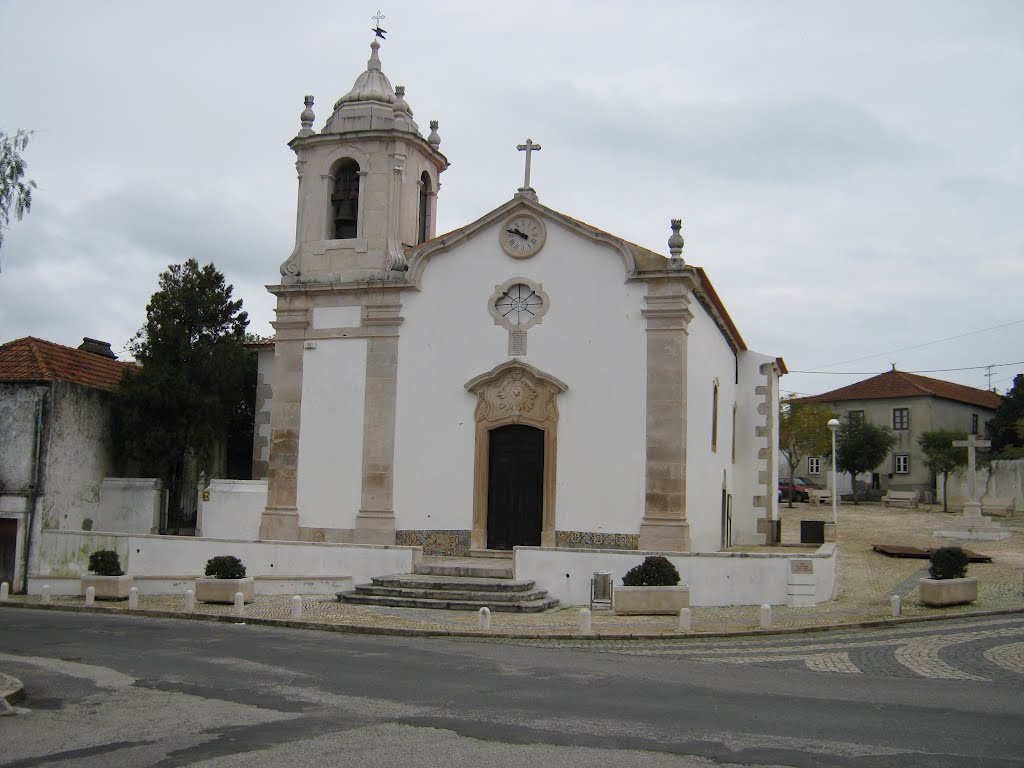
(973, 526)
(529, 148)
(972, 444)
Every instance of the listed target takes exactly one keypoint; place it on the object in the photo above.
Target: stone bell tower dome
(368, 184)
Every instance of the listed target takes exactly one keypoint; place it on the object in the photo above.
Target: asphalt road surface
(130, 691)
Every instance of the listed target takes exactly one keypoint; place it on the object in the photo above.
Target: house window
(902, 463)
(974, 423)
(901, 418)
(714, 419)
(345, 200)
(423, 230)
(814, 465)
(855, 417)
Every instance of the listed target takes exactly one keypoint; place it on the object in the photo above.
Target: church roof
(371, 85)
(901, 385)
(32, 359)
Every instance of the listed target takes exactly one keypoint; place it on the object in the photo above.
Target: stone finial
(306, 118)
(433, 139)
(401, 106)
(675, 242)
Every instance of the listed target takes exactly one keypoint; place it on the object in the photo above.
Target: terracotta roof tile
(31, 359)
(900, 384)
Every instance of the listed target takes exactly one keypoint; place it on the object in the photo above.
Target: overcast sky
(850, 174)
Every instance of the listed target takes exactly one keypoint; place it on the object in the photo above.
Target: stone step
(494, 554)
(463, 595)
(530, 606)
(496, 571)
(426, 581)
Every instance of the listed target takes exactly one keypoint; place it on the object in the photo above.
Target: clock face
(519, 305)
(522, 236)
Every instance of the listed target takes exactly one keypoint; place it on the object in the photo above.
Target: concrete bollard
(896, 602)
(5, 590)
(133, 598)
(585, 621)
(685, 620)
(190, 601)
(239, 604)
(296, 608)
(485, 619)
(766, 616)
(44, 594)
(90, 595)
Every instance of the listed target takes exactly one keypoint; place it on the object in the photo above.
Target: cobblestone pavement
(866, 581)
(980, 649)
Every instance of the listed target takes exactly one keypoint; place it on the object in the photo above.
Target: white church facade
(524, 380)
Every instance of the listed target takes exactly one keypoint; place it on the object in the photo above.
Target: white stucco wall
(234, 509)
(129, 505)
(708, 358)
(592, 338)
(714, 578)
(331, 437)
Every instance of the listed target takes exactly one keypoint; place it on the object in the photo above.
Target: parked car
(800, 486)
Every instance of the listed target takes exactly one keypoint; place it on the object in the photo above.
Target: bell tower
(368, 184)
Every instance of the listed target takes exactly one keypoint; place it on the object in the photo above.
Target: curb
(358, 629)
(12, 690)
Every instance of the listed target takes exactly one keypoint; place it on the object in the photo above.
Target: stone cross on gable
(529, 148)
(971, 444)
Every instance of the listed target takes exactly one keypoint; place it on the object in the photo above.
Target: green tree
(941, 456)
(861, 447)
(180, 403)
(803, 432)
(15, 190)
(1002, 428)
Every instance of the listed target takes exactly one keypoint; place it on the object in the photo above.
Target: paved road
(128, 691)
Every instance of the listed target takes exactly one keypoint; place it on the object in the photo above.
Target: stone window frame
(856, 417)
(901, 463)
(499, 291)
(714, 417)
(901, 419)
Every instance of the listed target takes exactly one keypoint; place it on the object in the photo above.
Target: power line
(926, 344)
(930, 370)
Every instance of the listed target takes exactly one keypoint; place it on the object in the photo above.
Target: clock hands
(516, 231)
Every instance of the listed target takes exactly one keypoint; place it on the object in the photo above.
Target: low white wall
(714, 578)
(233, 510)
(129, 505)
(65, 555)
(1001, 478)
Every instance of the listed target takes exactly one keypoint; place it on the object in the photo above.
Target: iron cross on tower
(529, 148)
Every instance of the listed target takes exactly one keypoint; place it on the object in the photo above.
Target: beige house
(910, 405)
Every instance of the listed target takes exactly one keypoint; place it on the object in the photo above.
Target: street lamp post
(833, 425)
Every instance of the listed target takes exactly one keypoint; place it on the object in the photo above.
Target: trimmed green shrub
(948, 563)
(105, 562)
(225, 567)
(654, 571)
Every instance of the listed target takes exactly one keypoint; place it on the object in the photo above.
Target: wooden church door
(515, 488)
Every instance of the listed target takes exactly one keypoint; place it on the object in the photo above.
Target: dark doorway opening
(515, 487)
(8, 550)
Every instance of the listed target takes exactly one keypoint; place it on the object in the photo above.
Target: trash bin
(812, 531)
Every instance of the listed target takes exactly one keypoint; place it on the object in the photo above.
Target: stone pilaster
(664, 525)
(281, 517)
(375, 523)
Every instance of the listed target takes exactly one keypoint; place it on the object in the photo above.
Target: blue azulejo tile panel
(596, 540)
(449, 543)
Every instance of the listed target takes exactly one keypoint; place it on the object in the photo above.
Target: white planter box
(949, 591)
(108, 587)
(210, 590)
(650, 600)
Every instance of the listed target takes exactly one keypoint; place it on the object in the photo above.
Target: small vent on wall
(309, 345)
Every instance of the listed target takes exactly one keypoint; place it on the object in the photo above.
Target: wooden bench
(996, 505)
(901, 497)
(815, 496)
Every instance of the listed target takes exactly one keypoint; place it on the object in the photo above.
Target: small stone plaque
(516, 343)
(801, 566)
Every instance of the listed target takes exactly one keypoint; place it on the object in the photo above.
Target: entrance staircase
(455, 584)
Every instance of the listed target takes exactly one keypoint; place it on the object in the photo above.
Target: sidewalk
(866, 581)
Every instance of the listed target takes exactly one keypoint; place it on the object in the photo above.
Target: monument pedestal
(973, 526)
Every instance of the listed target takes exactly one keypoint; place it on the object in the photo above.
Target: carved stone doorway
(515, 487)
(515, 394)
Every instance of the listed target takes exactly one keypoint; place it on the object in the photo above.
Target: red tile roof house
(55, 446)
(910, 405)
